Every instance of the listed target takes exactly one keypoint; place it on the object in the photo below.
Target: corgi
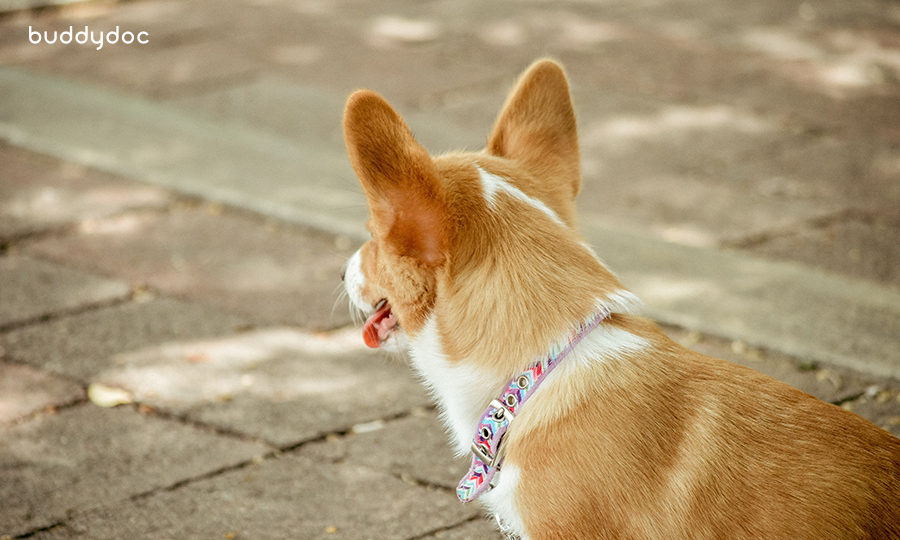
(582, 419)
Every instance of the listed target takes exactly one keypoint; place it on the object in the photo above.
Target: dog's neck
(463, 389)
(487, 443)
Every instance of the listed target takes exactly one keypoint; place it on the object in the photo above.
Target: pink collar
(487, 455)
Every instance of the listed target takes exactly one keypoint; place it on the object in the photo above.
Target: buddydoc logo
(83, 36)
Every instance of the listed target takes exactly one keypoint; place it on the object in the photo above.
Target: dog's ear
(405, 194)
(537, 125)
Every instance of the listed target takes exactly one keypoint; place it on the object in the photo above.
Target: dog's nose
(344, 270)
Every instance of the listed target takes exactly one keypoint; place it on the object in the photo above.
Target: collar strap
(487, 451)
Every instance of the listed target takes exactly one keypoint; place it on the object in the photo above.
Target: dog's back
(673, 444)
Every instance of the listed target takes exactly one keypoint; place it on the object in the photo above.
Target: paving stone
(206, 45)
(84, 345)
(881, 406)
(855, 248)
(414, 447)
(280, 275)
(86, 457)
(30, 289)
(280, 384)
(25, 390)
(828, 383)
(301, 113)
(291, 497)
(12, 5)
(697, 154)
(477, 529)
(39, 192)
(181, 51)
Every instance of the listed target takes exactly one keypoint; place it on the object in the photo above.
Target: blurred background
(768, 126)
(741, 166)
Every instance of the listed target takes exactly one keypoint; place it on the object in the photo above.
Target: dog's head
(481, 245)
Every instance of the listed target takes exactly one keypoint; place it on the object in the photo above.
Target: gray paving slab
(856, 247)
(290, 497)
(40, 193)
(84, 345)
(280, 275)
(225, 47)
(12, 5)
(282, 385)
(881, 406)
(87, 457)
(801, 311)
(728, 171)
(31, 289)
(826, 382)
(414, 447)
(169, 61)
(477, 529)
(25, 391)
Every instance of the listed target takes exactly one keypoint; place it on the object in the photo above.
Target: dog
(583, 419)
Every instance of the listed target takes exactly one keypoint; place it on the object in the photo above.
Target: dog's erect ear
(405, 194)
(537, 124)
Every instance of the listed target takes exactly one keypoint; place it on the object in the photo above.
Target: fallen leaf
(107, 396)
(146, 409)
(198, 358)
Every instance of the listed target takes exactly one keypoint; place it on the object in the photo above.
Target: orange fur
(659, 442)
(680, 445)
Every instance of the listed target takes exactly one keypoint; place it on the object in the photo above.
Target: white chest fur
(462, 390)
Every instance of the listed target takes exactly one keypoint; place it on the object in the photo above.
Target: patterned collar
(487, 453)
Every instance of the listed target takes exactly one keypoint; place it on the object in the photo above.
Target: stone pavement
(173, 218)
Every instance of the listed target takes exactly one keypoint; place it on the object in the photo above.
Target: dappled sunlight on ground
(673, 122)
(279, 384)
(201, 252)
(670, 291)
(837, 63)
(119, 225)
(278, 364)
(25, 390)
(389, 30)
(59, 203)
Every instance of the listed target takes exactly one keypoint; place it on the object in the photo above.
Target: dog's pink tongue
(378, 326)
